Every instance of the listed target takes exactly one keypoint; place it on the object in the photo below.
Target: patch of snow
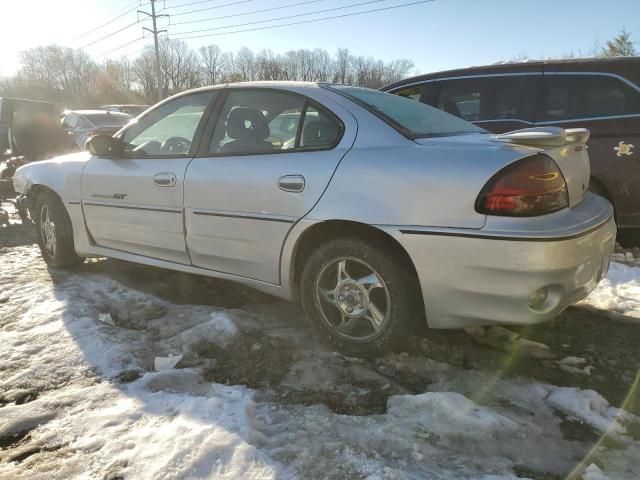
(591, 408)
(619, 291)
(592, 472)
(106, 318)
(166, 363)
(90, 422)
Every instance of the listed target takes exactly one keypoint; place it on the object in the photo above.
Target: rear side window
(254, 122)
(488, 98)
(567, 97)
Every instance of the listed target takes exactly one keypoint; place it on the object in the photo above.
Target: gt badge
(623, 149)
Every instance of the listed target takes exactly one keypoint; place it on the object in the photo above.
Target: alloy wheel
(48, 229)
(353, 299)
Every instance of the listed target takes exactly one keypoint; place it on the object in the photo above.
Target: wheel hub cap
(351, 298)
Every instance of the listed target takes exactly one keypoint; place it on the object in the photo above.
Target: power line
(129, 10)
(120, 47)
(109, 35)
(210, 8)
(248, 13)
(325, 10)
(308, 21)
(196, 3)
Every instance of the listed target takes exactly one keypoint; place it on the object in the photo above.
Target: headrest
(247, 123)
(318, 132)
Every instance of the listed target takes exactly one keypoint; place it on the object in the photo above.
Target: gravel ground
(530, 391)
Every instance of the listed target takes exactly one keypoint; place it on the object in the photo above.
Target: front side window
(567, 97)
(266, 121)
(413, 119)
(170, 129)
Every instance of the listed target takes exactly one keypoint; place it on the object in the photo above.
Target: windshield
(108, 119)
(411, 118)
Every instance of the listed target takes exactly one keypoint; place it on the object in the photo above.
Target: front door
(270, 157)
(135, 204)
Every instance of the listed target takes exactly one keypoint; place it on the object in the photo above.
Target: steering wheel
(177, 145)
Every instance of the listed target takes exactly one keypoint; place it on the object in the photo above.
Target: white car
(373, 209)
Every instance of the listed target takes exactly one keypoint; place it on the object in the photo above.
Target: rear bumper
(488, 276)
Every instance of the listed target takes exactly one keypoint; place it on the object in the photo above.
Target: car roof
(628, 67)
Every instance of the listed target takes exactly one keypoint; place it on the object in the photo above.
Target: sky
(436, 35)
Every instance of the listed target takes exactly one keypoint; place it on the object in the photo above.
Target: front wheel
(54, 232)
(360, 298)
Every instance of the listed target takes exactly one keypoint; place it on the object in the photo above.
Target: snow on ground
(255, 397)
(619, 291)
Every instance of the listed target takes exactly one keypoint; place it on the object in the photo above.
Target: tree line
(71, 77)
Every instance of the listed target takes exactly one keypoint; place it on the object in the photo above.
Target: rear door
(610, 108)
(268, 158)
(135, 204)
(499, 103)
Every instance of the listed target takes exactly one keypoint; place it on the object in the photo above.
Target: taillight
(528, 187)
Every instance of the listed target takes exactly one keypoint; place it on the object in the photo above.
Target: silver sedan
(376, 211)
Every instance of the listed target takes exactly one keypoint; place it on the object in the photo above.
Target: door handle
(291, 183)
(165, 179)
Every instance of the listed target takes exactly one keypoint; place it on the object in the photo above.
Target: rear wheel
(359, 297)
(54, 232)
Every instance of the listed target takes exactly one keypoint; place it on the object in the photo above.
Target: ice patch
(449, 413)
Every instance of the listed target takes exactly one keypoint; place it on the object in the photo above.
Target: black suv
(602, 95)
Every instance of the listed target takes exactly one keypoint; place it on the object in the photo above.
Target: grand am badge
(623, 149)
(113, 196)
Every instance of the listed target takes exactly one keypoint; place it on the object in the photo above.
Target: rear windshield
(108, 119)
(410, 117)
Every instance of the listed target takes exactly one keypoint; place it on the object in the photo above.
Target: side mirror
(105, 146)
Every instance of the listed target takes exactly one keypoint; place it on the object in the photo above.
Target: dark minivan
(602, 95)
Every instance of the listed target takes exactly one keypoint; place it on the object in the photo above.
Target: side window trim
(212, 121)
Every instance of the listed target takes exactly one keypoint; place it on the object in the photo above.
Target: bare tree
(69, 76)
(245, 64)
(213, 62)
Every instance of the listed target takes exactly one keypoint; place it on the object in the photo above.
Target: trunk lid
(567, 147)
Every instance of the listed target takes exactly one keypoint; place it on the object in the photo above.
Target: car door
(610, 108)
(135, 203)
(270, 156)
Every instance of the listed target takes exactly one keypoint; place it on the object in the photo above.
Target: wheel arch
(327, 230)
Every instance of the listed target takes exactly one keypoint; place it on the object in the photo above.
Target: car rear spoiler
(545, 136)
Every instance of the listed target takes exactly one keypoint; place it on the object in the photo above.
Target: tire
(378, 318)
(54, 232)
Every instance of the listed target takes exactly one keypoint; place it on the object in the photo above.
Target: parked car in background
(602, 95)
(343, 210)
(29, 131)
(131, 109)
(80, 125)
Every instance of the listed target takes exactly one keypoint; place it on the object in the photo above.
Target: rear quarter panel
(435, 183)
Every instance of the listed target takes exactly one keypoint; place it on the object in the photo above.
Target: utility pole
(155, 33)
